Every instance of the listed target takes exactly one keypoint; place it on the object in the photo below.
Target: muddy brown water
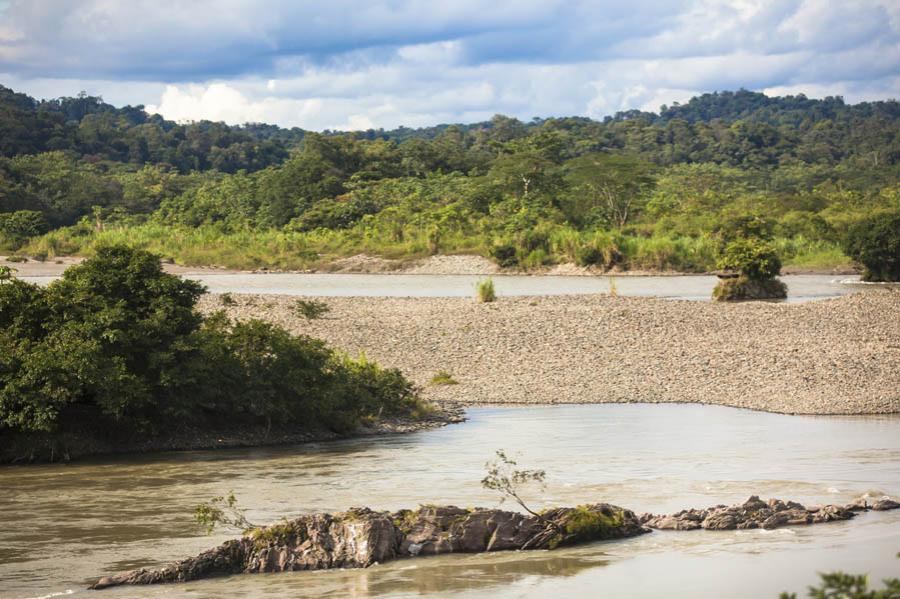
(62, 526)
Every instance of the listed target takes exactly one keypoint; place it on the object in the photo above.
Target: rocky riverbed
(361, 537)
(836, 356)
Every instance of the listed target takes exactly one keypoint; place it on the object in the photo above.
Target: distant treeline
(637, 189)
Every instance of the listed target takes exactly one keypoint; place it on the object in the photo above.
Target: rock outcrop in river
(756, 513)
(361, 537)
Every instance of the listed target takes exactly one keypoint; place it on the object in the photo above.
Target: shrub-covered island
(115, 356)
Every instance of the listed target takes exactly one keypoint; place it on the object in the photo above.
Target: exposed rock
(867, 502)
(753, 513)
(361, 537)
(742, 288)
(885, 504)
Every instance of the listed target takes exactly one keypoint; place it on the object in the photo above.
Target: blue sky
(382, 63)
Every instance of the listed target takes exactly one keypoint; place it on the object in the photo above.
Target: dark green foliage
(752, 258)
(504, 254)
(589, 255)
(18, 226)
(875, 243)
(118, 346)
(339, 213)
(837, 585)
(745, 226)
(722, 167)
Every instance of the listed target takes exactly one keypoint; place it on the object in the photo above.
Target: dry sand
(836, 356)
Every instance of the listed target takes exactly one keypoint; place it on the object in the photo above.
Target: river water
(62, 526)
(699, 287)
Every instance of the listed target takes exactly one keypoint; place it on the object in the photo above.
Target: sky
(344, 64)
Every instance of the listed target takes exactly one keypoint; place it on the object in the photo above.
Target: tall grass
(485, 292)
(250, 249)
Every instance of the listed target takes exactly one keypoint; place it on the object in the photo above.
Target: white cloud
(349, 64)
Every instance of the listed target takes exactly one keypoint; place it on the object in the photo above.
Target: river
(694, 287)
(62, 526)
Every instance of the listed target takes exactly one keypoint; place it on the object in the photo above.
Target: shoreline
(442, 264)
(831, 357)
(79, 447)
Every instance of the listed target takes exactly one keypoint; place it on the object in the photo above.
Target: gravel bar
(835, 356)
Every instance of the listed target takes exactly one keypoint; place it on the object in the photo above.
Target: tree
(751, 257)
(503, 477)
(607, 186)
(875, 243)
(222, 511)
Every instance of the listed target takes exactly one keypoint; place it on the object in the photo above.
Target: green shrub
(504, 254)
(311, 309)
(443, 378)
(485, 291)
(22, 224)
(589, 255)
(752, 258)
(16, 259)
(116, 345)
(536, 258)
(744, 226)
(875, 243)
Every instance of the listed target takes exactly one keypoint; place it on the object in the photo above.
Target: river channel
(693, 287)
(62, 526)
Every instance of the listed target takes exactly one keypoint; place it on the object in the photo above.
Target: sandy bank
(839, 356)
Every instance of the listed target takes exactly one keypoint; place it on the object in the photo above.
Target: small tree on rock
(504, 477)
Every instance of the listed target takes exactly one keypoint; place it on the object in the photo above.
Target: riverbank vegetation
(116, 351)
(638, 190)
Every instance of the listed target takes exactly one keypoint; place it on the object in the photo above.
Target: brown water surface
(63, 526)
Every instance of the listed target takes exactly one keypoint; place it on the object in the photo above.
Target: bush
(117, 345)
(753, 258)
(744, 227)
(589, 256)
(22, 224)
(311, 309)
(504, 254)
(875, 243)
(485, 291)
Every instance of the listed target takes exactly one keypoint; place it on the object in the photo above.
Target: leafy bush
(743, 227)
(875, 243)
(589, 256)
(485, 291)
(504, 254)
(22, 224)
(753, 258)
(117, 345)
(838, 585)
(311, 309)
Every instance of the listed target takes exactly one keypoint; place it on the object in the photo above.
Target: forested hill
(95, 130)
(638, 189)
